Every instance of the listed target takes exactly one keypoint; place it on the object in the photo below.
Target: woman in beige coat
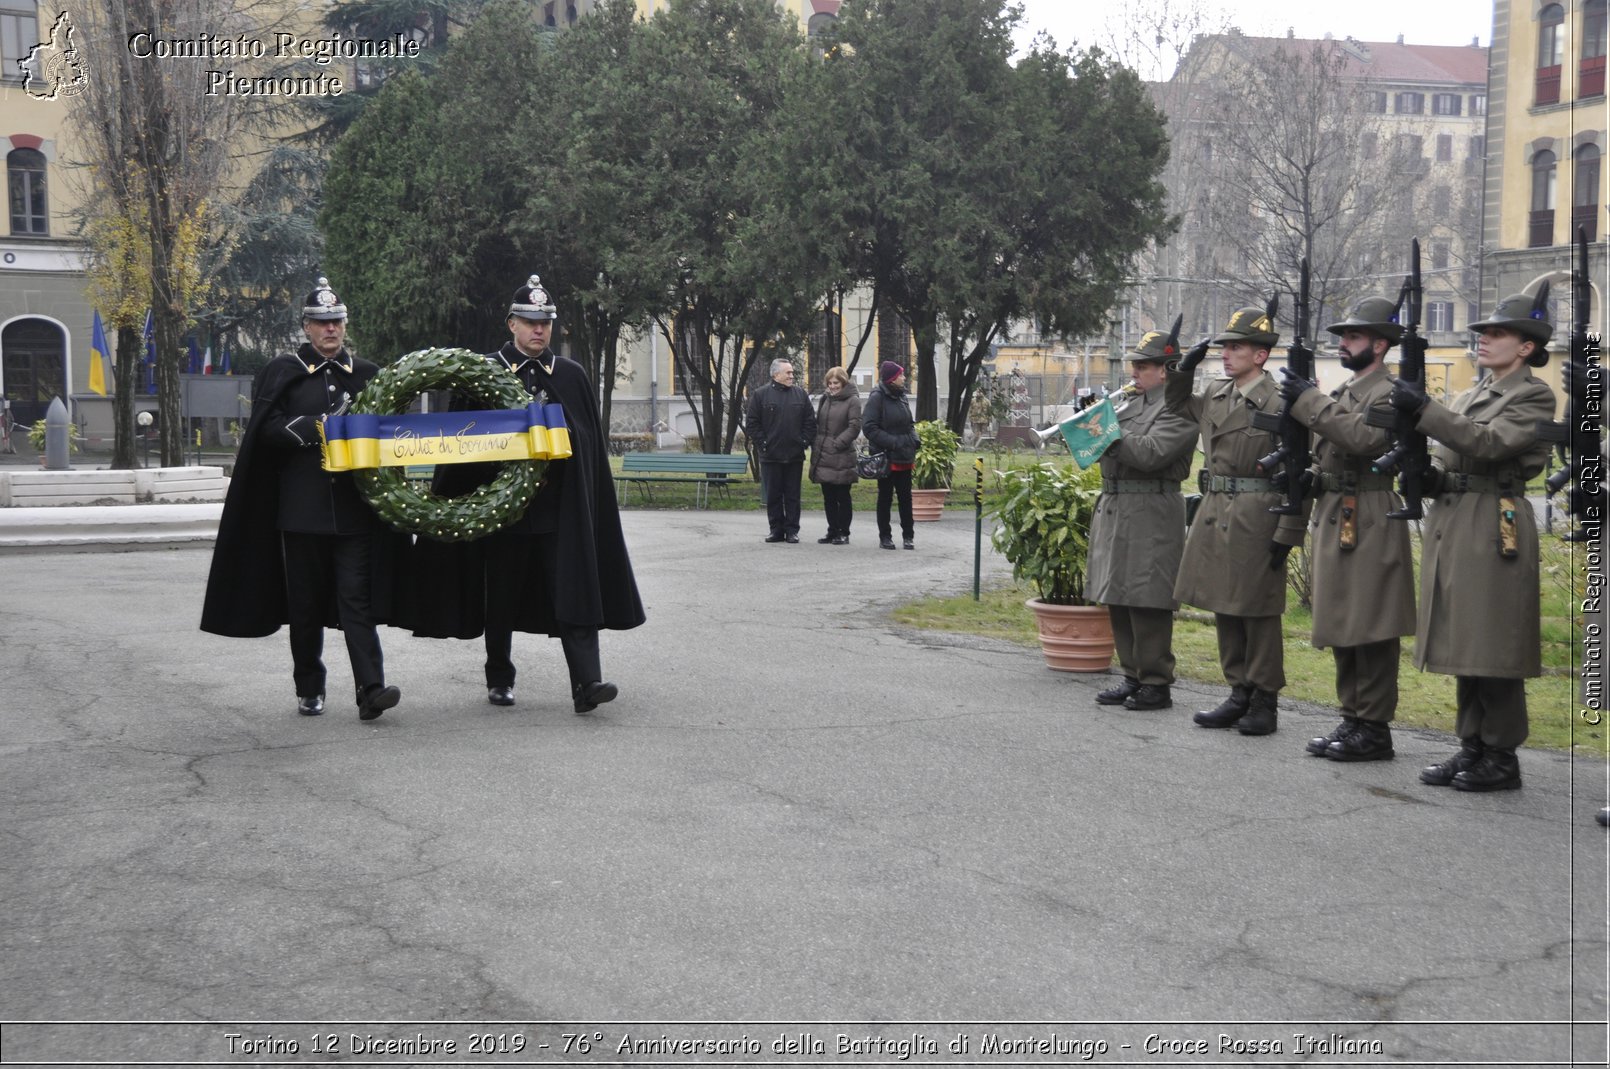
(838, 425)
(1478, 616)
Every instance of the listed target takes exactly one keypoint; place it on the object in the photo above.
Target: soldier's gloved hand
(1193, 356)
(1293, 385)
(1409, 397)
(1574, 381)
(1278, 553)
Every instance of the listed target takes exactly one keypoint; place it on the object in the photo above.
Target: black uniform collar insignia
(516, 360)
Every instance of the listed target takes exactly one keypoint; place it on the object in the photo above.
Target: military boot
(1150, 696)
(1228, 711)
(1498, 770)
(1368, 741)
(1442, 774)
(1317, 746)
(1115, 694)
(1262, 713)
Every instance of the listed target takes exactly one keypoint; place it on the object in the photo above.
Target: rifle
(1584, 468)
(1409, 456)
(1293, 454)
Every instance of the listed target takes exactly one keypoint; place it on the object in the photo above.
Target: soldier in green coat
(1478, 618)
(1235, 555)
(1353, 548)
(1138, 532)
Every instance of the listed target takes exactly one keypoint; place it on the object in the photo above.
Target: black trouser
(896, 483)
(520, 567)
(782, 494)
(836, 501)
(313, 564)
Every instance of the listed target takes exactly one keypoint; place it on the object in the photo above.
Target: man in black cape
(562, 568)
(296, 544)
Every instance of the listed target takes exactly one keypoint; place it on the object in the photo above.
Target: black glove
(1293, 386)
(1277, 555)
(1575, 383)
(1409, 397)
(1193, 356)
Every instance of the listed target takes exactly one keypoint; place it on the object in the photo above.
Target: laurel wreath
(412, 507)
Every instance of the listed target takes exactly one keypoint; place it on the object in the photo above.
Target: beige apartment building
(1546, 141)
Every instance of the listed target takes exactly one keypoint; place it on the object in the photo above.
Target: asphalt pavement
(802, 834)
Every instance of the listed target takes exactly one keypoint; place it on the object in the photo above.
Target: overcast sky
(1443, 22)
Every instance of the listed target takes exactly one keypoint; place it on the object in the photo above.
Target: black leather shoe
(1263, 714)
(1150, 696)
(1227, 712)
(377, 699)
(828, 540)
(1498, 770)
(791, 539)
(839, 540)
(1318, 746)
(590, 696)
(1368, 741)
(500, 695)
(312, 705)
(1115, 694)
(1604, 816)
(885, 543)
(774, 538)
(1442, 774)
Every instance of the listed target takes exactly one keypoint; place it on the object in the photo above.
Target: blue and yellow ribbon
(361, 440)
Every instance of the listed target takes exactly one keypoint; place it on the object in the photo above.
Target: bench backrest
(695, 463)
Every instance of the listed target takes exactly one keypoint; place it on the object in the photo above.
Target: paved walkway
(796, 812)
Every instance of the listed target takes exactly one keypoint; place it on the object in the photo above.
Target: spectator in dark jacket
(838, 425)
(780, 423)
(886, 421)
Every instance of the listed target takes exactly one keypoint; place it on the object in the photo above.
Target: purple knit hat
(889, 371)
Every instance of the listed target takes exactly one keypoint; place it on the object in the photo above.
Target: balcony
(1586, 216)
(1548, 85)
(1590, 78)
(1541, 232)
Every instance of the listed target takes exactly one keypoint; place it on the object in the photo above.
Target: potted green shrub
(931, 470)
(1044, 515)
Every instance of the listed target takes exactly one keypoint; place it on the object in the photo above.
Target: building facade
(1546, 140)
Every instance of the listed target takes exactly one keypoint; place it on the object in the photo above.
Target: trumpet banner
(1091, 432)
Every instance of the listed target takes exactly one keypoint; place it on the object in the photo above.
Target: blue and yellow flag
(99, 358)
(1090, 432)
(355, 440)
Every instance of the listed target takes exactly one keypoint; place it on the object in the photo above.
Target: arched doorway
(33, 367)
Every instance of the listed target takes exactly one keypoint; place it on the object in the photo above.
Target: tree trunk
(925, 336)
(126, 379)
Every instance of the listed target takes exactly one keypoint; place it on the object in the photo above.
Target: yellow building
(1546, 140)
(43, 314)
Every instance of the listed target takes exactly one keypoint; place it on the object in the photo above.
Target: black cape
(245, 595)
(596, 587)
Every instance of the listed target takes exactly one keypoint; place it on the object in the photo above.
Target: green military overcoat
(1364, 594)
(1136, 538)
(1478, 609)
(1225, 568)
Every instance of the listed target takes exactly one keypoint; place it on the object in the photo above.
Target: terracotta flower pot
(928, 505)
(1074, 638)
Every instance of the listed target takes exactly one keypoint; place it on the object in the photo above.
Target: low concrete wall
(22, 488)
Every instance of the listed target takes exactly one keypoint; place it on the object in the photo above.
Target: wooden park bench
(703, 470)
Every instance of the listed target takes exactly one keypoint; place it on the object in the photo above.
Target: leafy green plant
(936, 456)
(36, 436)
(1045, 514)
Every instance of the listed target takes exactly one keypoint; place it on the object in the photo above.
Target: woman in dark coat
(838, 425)
(886, 421)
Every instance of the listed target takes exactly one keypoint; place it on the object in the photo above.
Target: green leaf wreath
(410, 507)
